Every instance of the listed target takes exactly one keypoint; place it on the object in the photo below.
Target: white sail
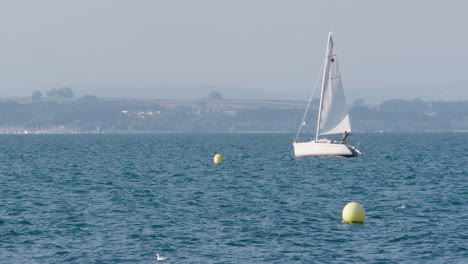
(334, 117)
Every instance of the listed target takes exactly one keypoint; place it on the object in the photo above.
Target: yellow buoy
(353, 213)
(218, 158)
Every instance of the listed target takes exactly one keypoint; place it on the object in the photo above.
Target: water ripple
(123, 198)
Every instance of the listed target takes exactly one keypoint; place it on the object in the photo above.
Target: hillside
(115, 115)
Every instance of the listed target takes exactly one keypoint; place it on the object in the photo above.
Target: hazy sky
(242, 48)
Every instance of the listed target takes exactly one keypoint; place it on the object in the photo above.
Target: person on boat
(345, 136)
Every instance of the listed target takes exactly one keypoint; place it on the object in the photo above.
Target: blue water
(124, 198)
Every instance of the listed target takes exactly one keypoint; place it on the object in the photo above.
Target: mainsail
(333, 113)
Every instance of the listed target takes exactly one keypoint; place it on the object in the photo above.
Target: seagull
(159, 258)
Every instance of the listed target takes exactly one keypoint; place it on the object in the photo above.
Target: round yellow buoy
(218, 158)
(353, 213)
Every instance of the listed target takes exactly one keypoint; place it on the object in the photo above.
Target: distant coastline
(93, 115)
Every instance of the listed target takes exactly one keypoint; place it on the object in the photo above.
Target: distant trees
(215, 96)
(205, 116)
(64, 92)
(36, 96)
(360, 102)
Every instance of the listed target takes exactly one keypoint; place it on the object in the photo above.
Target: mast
(323, 85)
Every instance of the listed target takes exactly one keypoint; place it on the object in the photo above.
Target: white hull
(333, 117)
(323, 148)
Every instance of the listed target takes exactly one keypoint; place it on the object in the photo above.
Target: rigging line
(310, 100)
(310, 130)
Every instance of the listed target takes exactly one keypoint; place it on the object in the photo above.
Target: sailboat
(333, 116)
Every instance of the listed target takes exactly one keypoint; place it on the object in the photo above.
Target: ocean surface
(124, 198)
